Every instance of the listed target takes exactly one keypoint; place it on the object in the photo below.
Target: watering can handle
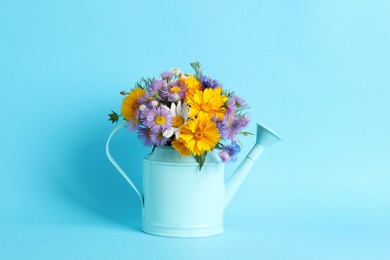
(116, 129)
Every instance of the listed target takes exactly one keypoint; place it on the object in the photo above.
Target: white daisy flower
(180, 116)
(178, 73)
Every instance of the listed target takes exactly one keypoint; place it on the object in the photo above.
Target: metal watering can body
(178, 200)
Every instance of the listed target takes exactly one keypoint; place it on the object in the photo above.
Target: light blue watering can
(178, 200)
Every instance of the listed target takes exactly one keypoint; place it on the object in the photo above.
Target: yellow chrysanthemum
(130, 103)
(209, 101)
(192, 85)
(181, 148)
(200, 134)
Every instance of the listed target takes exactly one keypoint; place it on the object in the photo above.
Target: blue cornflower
(229, 152)
(208, 82)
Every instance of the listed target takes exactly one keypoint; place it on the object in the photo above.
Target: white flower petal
(173, 109)
(177, 134)
(178, 108)
(169, 132)
(165, 107)
(184, 112)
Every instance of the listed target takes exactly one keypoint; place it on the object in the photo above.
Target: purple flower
(231, 108)
(234, 103)
(229, 152)
(230, 127)
(224, 156)
(167, 75)
(132, 124)
(240, 122)
(152, 93)
(208, 82)
(158, 119)
(239, 102)
(158, 138)
(157, 84)
(173, 92)
(223, 127)
(144, 135)
(150, 100)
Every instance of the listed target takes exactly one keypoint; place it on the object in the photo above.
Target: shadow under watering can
(178, 200)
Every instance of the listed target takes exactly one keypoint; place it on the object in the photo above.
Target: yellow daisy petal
(130, 103)
(200, 134)
(181, 148)
(210, 101)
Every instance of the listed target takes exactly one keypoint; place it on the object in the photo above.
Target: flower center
(160, 120)
(198, 135)
(175, 90)
(177, 121)
(160, 135)
(206, 107)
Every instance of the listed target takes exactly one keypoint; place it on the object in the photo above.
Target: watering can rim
(269, 130)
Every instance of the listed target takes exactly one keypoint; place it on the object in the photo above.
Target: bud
(154, 103)
(176, 71)
(179, 73)
(142, 107)
(124, 93)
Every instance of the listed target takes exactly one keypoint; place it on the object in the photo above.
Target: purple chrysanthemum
(173, 92)
(145, 137)
(158, 119)
(150, 99)
(208, 82)
(229, 152)
(157, 84)
(158, 138)
(132, 124)
(167, 75)
(142, 111)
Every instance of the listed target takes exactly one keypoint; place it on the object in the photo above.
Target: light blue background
(317, 72)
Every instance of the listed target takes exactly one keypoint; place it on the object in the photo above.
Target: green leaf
(245, 133)
(228, 93)
(114, 117)
(200, 159)
(196, 66)
(144, 83)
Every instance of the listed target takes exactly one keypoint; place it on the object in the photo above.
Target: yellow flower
(192, 85)
(181, 148)
(130, 103)
(199, 134)
(209, 101)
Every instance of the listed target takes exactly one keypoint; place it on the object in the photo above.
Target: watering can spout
(264, 138)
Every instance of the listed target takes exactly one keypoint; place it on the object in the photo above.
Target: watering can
(178, 200)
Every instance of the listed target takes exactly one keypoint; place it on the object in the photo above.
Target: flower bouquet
(193, 113)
